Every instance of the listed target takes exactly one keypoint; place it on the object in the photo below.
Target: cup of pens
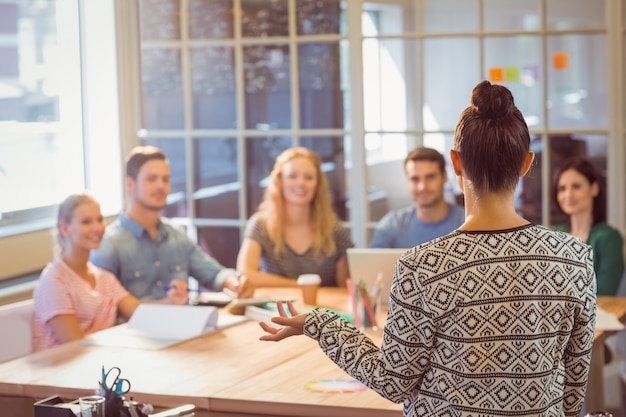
(365, 304)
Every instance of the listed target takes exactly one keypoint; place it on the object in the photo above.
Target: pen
(169, 287)
(232, 294)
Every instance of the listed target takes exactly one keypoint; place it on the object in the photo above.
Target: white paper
(163, 321)
(260, 314)
(158, 326)
(607, 321)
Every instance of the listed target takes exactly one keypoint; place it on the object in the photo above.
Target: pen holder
(364, 307)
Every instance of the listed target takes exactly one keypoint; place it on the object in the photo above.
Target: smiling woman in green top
(579, 195)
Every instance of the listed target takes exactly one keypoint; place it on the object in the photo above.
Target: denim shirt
(144, 265)
(402, 229)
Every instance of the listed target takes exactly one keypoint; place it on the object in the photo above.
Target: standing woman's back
(494, 319)
(505, 308)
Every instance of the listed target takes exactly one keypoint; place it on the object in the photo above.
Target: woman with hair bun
(495, 318)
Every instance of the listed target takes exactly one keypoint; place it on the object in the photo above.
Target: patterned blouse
(479, 324)
(292, 264)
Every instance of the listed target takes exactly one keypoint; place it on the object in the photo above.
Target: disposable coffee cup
(309, 283)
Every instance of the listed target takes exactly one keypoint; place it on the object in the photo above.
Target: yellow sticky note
(512, 74)
(496, 74)
(560, 60)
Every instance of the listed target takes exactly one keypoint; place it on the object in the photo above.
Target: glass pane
(577, 83)
(562, 147)
(261, 153)
(528, 195)
(321, 88)
(210, 19)
(216, 182)
(391, 74)
(575, 14)
(388, 19)
(264, 18)
(516, 62)
(447, 89)
(385, 172)
(214, 88)
(316, 17)
(331, 151)
(450, 16)
(159, 19)
(174, 150)
(512, 14)
(41, 147)
(221, 243)
(267, 87)
(162, 88)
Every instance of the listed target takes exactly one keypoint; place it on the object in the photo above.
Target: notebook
(366, 263)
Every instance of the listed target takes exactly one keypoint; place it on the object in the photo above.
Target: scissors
(112, 382)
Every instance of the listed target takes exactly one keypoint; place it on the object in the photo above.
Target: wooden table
(227, 373)
(594, 399)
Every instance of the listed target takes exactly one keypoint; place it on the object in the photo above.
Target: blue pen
(169, 287)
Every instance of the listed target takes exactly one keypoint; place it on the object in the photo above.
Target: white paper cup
(309, 284)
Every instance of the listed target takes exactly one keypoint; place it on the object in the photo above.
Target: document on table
(157, 326)
(607, 321)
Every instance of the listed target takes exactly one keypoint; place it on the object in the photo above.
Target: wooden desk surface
(198, 371)
(229, 371)
(613, 305)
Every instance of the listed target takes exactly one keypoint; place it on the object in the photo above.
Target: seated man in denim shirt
(431, 216)
(145, 251)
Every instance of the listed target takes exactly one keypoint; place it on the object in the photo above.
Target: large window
(422, 62)
(40, 108)
(58, 133)
(224, 93)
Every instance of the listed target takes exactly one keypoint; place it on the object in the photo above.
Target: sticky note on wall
(560, 60)
(512, 73)
(496, 74)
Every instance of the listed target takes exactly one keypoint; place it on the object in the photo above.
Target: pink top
(61, 291)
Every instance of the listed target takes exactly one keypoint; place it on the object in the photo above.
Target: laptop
(365, 264)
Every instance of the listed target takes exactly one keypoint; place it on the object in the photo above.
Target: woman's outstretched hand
(292, 326)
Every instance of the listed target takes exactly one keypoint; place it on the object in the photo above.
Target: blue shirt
(144, 265)
(402, 229)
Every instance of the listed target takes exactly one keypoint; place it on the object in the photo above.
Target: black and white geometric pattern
(479, 324)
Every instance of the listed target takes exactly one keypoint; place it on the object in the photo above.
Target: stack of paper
(607, 321)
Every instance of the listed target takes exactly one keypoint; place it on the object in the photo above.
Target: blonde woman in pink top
(73, 297)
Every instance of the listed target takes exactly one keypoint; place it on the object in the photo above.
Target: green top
(608, 256)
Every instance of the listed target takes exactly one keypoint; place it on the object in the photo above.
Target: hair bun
(492, 100)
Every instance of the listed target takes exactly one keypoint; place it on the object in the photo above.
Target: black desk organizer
(54, 407)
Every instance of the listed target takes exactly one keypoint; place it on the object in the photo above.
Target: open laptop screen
(366, 264)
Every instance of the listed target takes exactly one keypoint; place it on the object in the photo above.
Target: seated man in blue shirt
(145, 251)
(431, 216)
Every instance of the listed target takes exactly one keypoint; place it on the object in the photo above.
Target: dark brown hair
(492, 139)
(426, 154)
(585, 168)
(138, 156)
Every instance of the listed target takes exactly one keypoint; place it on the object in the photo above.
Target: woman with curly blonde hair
(295, 230)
